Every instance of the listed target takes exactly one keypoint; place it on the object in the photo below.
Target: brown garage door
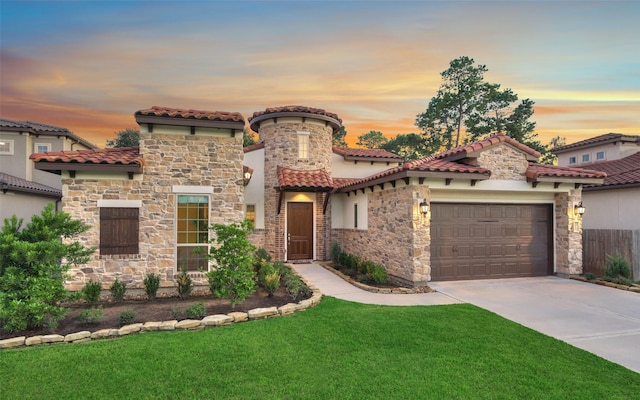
(475, 241)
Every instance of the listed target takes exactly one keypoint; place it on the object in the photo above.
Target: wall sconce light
(579, 209)
(248, 172)
(424, 207)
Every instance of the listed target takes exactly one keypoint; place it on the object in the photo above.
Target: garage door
(476, 241)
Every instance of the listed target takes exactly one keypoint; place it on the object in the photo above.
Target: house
(25, 191)
(612, 220)
(482, 210)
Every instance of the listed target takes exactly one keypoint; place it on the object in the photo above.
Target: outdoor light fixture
(247, 176)
(579, 209)
(424, 207)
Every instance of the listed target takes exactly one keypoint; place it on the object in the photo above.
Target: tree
(248, 138)
(548, 157)
(372, 140)
(125, 138)
(460, 95)
(33, 265)
(410, 146)
(338, 139)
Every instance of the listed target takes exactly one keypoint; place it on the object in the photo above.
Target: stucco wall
(22, 205)
(612, 209)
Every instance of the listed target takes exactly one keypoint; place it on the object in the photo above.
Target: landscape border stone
(208, 321)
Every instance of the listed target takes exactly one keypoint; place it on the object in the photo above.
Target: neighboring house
(612, 218)
(483, 210)
(24, 190)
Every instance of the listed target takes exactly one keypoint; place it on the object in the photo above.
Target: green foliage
(358, 268)
(91, 291)
(33, 266)
(196, 311)
(185, 285)
(151, 284)
(176, 312)
(334, 252)
(127, 317)
(590, 276)
(410, 146)
(548, 157)
(233, 276)
(248, 138)
(92, 315)
(118, 290)
(125, 138)
(372, 140)
(269, 278)
(338, 139)
(379, 274)
(296, 288)
(617, 267)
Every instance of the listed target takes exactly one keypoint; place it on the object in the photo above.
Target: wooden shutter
(118, 230)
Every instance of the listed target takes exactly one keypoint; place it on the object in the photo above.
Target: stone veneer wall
(169, 160)
(397, 236)
(568, 243)
(505, 162)
(281, 149)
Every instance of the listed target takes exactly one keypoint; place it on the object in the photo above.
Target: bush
(271, 282)
(176, 312)
(378, 274)
(127, 317)
(92, 315)
(334, 253)
(617, 267)
(185, 284)
(33, 266)
(590, 276)
(196, 311)
(91, 291)
(234, 275)
(151, 284)
(621, 280)
(118, 289)
(295, 287)
(261, 257)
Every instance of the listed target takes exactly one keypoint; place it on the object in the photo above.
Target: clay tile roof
(16, 184)
(110, 156)
(622, 172)
(536, 171)
(365, 153)
(291, 179)
(607, 137)
(157, 111)
(463, 151)
(332, 118)
(43, 129)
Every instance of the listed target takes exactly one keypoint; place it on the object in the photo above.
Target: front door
(299, 231)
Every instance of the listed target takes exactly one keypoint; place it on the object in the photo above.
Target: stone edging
(186, 324)
(634, 289)
(373, 289)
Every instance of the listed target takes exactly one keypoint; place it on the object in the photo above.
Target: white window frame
(11, 148)
(304, 145)
(179, 194)
(46, 145)
(573, 160)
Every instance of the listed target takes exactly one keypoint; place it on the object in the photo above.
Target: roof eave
(178, 121)
(567, 179)
(415, 174)
(255, 122)
(611, 187)
(58, 167)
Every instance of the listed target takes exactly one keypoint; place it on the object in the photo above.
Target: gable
(504, 161)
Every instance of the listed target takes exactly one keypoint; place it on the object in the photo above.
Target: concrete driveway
(601, 320)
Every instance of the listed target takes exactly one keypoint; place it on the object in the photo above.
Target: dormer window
(572, 160)
(585, 158)
(303, 145)
(600, 155)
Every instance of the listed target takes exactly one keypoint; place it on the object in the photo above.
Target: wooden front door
(299, 231)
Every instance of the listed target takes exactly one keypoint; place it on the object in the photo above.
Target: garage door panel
(490, 240)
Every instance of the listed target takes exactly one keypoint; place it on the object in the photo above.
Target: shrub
(91, 291)
(176, 312)
(118, 289)
(271, 283)
(196, 311)
(296, 288)
(233, 276)
(127, 317)
(185, 284)
(33, 266)
(616, 267)
(92, 315)
(334, 253)
(621, 280)
(151, 284)
(378, 274)
(261, 257)
(590, 276)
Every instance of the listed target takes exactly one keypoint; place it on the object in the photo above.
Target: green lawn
(337, 350)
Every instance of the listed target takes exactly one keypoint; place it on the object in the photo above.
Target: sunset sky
(88, 66)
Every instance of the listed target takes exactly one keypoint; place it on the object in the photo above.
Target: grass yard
(338, 350)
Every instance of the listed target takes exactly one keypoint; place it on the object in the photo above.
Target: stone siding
(169, 160)
(568, 243)
(504, 162)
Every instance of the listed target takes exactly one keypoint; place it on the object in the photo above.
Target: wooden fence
(597, 243)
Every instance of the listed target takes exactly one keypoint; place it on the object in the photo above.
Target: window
(250, 213)
(355, 215)
(192, 232)
(600, 155)
(118, 230)
(572, 160)
(303, 145)
(41, 147)
(585, 158)
(6, 146)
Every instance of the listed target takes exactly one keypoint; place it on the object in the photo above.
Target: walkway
(601, 320)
